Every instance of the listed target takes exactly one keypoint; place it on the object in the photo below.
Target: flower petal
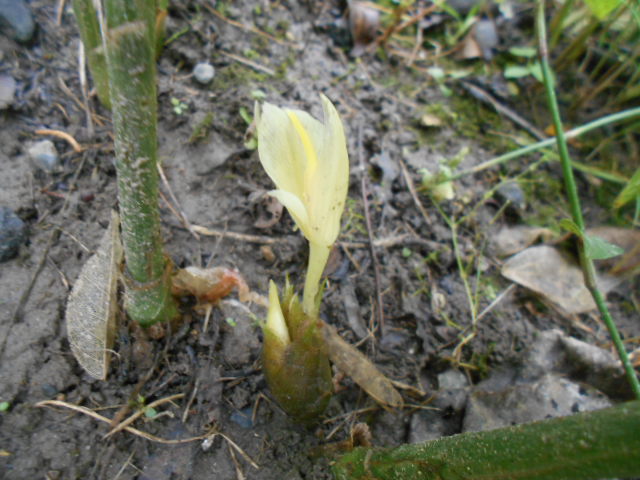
(278, 155)
(296, 209)
(332, 178)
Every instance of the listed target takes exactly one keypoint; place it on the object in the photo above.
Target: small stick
(243, 237)
(367, 216)
(139, 413)
(413, 192)
(484, 96)
(63, 135)
(183, 218)
(135, 431)
(249, 63)
(249, 28)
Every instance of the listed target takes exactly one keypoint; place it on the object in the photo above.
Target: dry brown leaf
(556, 277)
(511, 240)
(355, 364)
(92, 305)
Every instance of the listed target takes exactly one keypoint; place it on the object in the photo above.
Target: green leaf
(597, 248)
(570, 226)
(4, 406)
(150, 412)
(258, 95)
(526, 52)
(516, 71)
(602, 8)
(630, 191)
(246, 116)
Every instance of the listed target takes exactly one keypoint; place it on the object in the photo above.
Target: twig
(64, 136)
(135, 431)
(413, 192)
(484, 96)
(187, 407)
(243, 237)
(496, 300)
(249, 63)
(248, 28)
(132, 418)
(367, 217)
(181, 215)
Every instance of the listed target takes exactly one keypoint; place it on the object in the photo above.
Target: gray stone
(204, 73)
(43, 155)
(452, 379)
(7, 91)
(13, 232)
(487, 37)
(16, 20)
(550, 396)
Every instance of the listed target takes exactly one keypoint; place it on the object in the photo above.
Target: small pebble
(16, 20)
(242, 417)
(512, 192)
(43, 155)
(7, 91)
(203, 73)
(487, 37)
(13, 232)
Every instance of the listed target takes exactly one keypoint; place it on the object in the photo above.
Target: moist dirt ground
(398, 121)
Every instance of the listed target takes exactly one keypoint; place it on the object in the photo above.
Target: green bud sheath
(298, 371)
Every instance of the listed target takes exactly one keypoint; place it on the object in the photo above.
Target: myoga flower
(307, 160)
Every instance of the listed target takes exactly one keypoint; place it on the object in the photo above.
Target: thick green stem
(602, 444)
(574, 202)
(130, 41)
(318, 256)
(92, 40)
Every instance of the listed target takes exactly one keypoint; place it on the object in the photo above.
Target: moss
(234, 76)
(201, 130)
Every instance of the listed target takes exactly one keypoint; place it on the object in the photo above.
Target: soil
(286, 52)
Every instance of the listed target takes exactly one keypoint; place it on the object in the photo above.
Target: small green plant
(4, 406)
(518, 70)
(308, 162)
(179, 107)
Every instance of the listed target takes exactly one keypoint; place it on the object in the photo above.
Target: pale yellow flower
(307, 160)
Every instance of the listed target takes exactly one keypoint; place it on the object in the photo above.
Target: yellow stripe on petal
(307, 144)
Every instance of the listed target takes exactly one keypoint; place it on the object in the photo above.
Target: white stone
(43, 155)
(204, 72)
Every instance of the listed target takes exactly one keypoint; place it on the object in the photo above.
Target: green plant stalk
(576, 132)
(92, 40)
(574, 203)
(130, 43)
(312, 293)
(591, 445)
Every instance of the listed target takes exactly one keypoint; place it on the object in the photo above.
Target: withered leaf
(555, 276)
(355, 364)
(92, 304)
